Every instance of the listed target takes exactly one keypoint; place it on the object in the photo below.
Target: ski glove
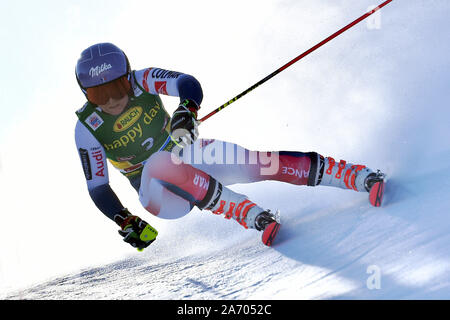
(184, 125)
(134, 230)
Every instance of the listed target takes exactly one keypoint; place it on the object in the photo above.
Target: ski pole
(304, 54)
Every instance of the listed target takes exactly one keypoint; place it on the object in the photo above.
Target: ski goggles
(115, 89)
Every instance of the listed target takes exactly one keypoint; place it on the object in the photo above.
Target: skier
(124, 121)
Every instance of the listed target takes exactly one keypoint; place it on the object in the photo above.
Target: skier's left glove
(184, 125)
(134, 230)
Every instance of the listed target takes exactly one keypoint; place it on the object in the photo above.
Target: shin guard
(233, 205)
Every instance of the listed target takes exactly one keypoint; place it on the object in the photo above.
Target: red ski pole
(301, 56)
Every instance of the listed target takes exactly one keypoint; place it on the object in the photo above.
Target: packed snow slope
(377, 97)
(330, 247)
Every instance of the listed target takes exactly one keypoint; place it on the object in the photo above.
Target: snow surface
(325, 250)
(384, 104)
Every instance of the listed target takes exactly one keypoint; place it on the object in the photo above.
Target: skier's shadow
(395, 193)
(329, 238)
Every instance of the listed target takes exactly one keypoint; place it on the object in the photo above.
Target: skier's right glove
(184, 125)
(134, 230)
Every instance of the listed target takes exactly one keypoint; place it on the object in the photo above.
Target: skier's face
(115, 106)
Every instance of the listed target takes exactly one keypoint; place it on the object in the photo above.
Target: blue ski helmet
(99, 64)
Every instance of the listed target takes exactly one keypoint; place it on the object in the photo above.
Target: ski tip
(270, 233)
(376, 194)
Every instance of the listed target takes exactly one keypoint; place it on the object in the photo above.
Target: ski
(376, 194)
(270, 233)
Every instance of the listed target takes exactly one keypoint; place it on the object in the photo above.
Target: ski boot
(354, 177)
(236, 206)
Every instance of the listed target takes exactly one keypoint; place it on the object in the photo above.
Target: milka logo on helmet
(95, 72)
